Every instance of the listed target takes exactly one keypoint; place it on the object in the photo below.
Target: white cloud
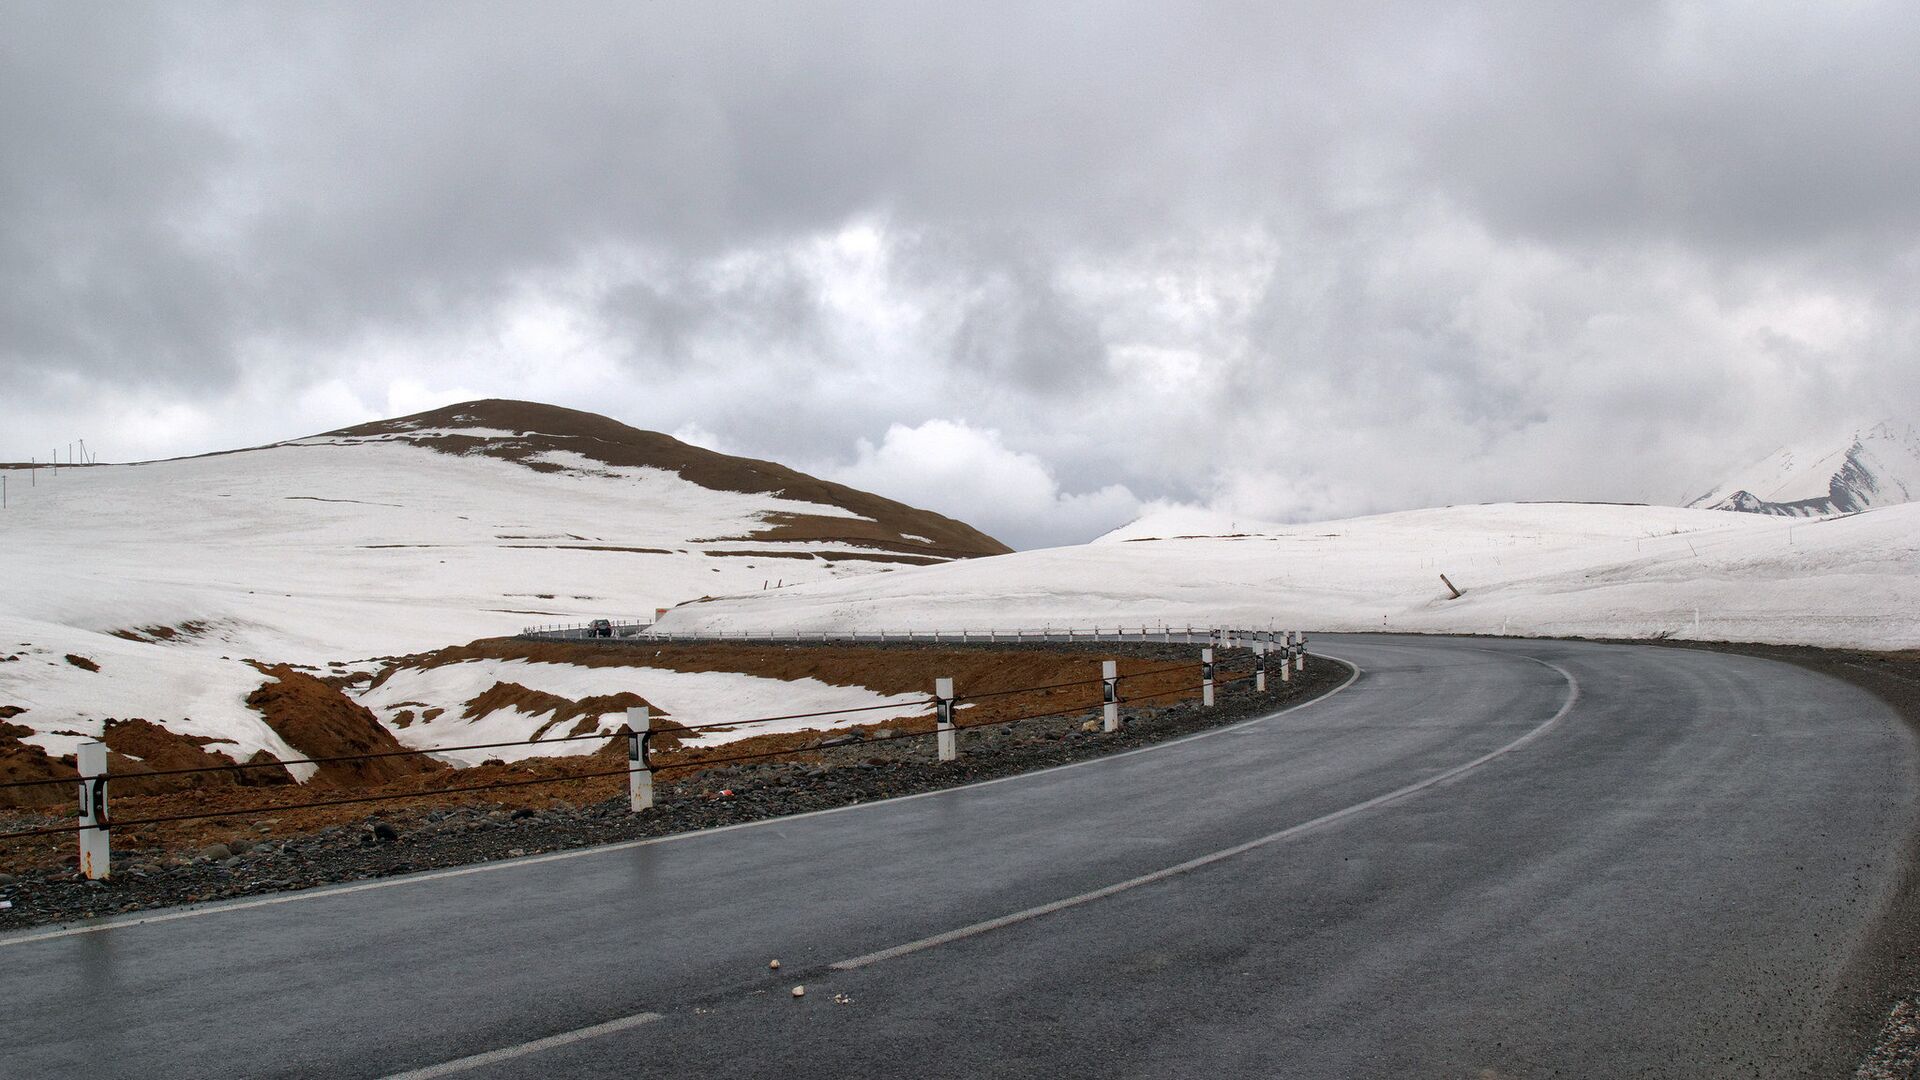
(968, 473)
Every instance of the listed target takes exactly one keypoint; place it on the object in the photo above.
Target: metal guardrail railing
(1162, 632)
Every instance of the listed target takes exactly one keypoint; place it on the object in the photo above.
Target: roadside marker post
(639, 769)
(943, 696)
(1300, 654)
(96, 856)
(1110, 694)
(1206, 677)
(1286, 657)
(1260, 668)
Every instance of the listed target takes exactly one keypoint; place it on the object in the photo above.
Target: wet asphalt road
(1480, 859)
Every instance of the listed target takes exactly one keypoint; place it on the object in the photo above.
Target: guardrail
(95, 823)
(1162, 632)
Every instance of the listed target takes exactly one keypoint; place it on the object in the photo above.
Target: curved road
(1481, 858)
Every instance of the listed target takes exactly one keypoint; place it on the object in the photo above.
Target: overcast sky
(1033, 265)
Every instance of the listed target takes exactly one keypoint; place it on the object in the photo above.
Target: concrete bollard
(96, 856)
(1110, 694)
(943, 696)
(1206, 677)
(639, 769)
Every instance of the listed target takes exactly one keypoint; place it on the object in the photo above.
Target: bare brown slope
(544, 428)
(322, 722)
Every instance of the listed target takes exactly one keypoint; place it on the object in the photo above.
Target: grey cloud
(1482, 229)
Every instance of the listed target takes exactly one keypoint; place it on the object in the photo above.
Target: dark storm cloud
(1443, 251)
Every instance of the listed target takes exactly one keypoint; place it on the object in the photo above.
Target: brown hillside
(543, 428)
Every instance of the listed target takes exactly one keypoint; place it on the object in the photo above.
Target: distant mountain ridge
(1874, 465)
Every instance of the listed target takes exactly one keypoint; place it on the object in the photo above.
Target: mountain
(550, 439)
(1872, 465)
(161, 590)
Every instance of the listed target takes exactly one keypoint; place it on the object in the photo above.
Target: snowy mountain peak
(1872, 465)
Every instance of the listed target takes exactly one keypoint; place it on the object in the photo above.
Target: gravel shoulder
(257, 858)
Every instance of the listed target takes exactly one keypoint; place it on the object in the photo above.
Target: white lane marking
(1573, 695)
(508, 1053)
(29, 937)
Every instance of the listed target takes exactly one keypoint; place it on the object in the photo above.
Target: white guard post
(943, 696)
(1300, 654)
(1286, 657)
(1110, 694)
(639, 769)
(1260, 667)
(1206, 677)
(96, 860)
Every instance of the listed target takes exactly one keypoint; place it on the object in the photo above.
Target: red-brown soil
(134, 747)
(319, 720)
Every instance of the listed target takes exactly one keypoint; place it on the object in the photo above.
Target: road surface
(1481, 858)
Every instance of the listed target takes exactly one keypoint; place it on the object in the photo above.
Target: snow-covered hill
(1528, 569)
(392, 538)
(1871, 465)
(1182, 522)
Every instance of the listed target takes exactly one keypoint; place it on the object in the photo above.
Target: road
(1481, 858)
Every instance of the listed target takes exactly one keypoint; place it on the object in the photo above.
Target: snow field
(1547, 569)
(689, 698)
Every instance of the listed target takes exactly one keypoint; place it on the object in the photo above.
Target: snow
(339, 548)
(188, 694)
(1184, 521)
(1870, 464)
(1559, 569)
(689, 698)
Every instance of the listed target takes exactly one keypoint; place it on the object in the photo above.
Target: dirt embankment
(265, 851)
(321, 722)
(896, 668)
(586, 713)
(887, 669)
(135, 748)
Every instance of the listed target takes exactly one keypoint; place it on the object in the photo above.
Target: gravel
(400, 841)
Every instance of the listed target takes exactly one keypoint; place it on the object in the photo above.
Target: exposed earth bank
(248, 854)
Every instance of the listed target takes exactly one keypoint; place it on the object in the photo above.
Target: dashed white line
(508, 1053)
